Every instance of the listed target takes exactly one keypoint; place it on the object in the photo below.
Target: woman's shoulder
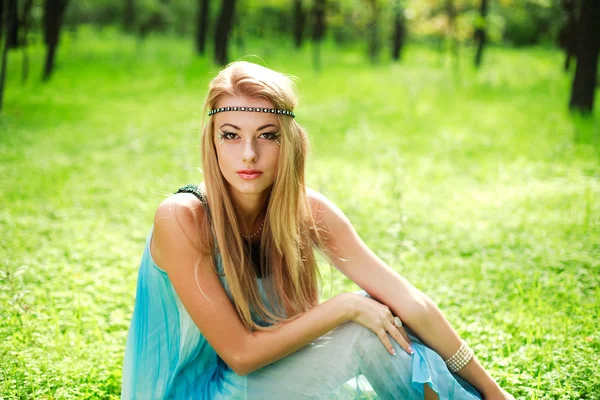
(321, 207)
(319, 203)
(182, 207)
(179, 223)
(324, 211)
(315, 198)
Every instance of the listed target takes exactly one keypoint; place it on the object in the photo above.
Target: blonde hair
(289, 231)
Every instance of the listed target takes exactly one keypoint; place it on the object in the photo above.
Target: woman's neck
(250, 209)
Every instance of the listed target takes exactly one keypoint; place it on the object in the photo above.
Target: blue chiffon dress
(167, 357)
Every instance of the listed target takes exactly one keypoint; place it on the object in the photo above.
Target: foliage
(478, 187)
(529, 22)
(518, 22)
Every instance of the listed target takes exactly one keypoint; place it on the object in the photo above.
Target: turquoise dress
(167, 357)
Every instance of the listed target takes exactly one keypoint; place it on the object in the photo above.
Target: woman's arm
(173, 249)
(353, 258)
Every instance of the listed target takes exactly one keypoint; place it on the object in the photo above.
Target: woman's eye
(229, 135)
(270, 135)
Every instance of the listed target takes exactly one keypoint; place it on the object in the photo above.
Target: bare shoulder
(323, 210)
(179, 226)
(315, 198)
(318, 205)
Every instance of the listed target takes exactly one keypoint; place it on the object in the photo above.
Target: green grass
(478, 186)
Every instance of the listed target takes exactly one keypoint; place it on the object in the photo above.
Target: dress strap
(196, 191)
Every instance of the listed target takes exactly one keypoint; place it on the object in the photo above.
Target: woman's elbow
(241, 365)
(241, 371)
(238, 365)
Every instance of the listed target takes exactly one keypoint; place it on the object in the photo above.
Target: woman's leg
(430, 394)
(320, 369)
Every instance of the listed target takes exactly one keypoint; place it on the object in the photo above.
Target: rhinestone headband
(252, 109)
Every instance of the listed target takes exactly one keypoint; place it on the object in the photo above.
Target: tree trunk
(223, 29)
(451, 29)
(373, 29)
(54, 11)
(26, 16)
(299, 20)
(12, 5)
(318, 31)
(12, 31)
(201, 26)
(129, 16)
(588, 45)
(399, 31)
(319, 21)
(237, 33)
(1, 18)
(480, 32)
(568, 34)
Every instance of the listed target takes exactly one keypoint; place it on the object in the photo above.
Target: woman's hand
(378, 318)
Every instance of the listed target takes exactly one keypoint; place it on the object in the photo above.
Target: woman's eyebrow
(259, 129)
(266, 126)
(231, 125)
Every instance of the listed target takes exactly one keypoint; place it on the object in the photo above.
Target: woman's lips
(249, 174)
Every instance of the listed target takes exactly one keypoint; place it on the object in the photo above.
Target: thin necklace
(255, 233)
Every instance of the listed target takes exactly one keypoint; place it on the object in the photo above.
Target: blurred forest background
(381, 25)
(461, 137)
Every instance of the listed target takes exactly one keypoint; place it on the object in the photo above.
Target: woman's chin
(250, 189)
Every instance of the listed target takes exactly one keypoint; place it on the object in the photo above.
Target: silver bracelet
(461, 358)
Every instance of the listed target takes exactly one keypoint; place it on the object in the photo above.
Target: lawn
(478, 186)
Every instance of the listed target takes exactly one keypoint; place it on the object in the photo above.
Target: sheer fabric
(167, 357)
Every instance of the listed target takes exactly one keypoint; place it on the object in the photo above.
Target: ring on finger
(397, 322)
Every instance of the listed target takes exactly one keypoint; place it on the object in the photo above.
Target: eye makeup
(226, 136)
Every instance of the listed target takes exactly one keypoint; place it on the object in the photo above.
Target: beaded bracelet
(461, 358)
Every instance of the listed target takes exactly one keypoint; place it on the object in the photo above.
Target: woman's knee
(367, 342)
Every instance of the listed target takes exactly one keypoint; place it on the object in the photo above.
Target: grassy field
(477, 186)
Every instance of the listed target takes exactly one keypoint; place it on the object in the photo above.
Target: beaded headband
(253, 109)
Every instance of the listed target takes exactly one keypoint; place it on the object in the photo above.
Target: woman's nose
(250, 151)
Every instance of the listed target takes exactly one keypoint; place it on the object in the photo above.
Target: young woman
(227, 303)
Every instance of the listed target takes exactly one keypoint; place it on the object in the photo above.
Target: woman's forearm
(264, 347)
(432, 327)
(423, 316)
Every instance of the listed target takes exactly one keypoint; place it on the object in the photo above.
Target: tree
(319, 21)
(202, 25)
(568, 33)
(480, 34)
(11, 7)
(129, 16)
(299, 20)
(399, 31)
(26, 17)
(54, 11)
(588, 45)
(223, 29)
(1, 17)
(373, 31)
(318, 31)
(12, 17)
(451, 39)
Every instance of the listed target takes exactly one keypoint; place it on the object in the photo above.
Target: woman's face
(247, 145)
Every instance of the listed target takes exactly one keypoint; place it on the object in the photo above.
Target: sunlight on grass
(478, 186)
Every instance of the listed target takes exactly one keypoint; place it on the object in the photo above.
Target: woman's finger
(386, 342)
(404, 334)
(398, 324)
(395, 332)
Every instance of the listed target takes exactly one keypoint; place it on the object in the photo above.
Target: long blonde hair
(289, 231)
